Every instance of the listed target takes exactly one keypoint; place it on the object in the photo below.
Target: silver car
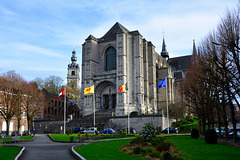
(91, 130)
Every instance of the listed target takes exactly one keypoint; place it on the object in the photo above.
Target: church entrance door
(106, 97)
(114, 100)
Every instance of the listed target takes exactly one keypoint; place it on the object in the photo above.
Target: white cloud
(37, 50)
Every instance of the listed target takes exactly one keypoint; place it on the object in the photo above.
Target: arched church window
(73, 73)
(110, 58)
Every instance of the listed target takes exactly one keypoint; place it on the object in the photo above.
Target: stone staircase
(101, 119)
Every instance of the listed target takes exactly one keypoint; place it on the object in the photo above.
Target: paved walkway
(42, 148)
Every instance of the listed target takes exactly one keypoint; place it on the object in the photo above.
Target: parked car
(171, 130)
(77, 130)
(231, 133)
(3, 134)
(132, 130)
(25, 133)
(108, 131)
(15, 133)
(91, 130)
(238, 135)
(221, 131)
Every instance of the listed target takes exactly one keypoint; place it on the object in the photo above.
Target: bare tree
(33, 102)
(9, 96)
(52, 84)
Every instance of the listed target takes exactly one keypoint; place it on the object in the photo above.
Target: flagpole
(64, 119)
(128, 113)
(167, 105)
(93, 109)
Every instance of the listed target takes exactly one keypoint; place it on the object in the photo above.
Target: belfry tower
(73, 76)
(164, 52)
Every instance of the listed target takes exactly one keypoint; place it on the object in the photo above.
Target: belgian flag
(123, 88)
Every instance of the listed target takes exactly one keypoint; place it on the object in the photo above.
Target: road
(42, 148)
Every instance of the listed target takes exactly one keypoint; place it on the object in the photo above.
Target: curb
(76, 154)
(79, 157)
(20, 153)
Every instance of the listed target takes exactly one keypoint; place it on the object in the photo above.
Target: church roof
(111, 34)
(180, 63)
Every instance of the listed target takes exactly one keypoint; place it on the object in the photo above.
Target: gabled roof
(180, 63)
(111, 34)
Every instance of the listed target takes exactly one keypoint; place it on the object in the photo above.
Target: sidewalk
(42, 148)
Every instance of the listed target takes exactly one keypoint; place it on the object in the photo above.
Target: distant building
(13, 123)
(54, 107)
(125, 57)
(73, 76)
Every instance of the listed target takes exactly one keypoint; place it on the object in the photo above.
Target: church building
(126, 57)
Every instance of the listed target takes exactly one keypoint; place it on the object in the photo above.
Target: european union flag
(162, 83)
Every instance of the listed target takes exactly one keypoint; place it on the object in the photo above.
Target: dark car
(108, 131)
(132, 130)
(25, 133)
(77, 130)
(15, 133)
(3, 134)
(171, 130)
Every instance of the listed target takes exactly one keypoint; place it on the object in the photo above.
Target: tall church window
(73, 73)
(110, 58)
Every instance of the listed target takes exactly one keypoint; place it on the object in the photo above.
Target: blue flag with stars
(162, 83)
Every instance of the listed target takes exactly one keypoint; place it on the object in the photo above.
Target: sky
(37, 36)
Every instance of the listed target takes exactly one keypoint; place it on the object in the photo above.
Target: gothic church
(125, 57)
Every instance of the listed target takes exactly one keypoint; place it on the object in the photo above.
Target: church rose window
(110, 58)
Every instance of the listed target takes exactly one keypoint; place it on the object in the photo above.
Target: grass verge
(198, 149)
(8, 153)
(105, 150)
(8, 139)
(66, 138)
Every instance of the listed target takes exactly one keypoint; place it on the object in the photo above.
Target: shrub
(211, 136)
(155, 154)
(134, 113)
(195, 133)
(166, 156)
(138, 140)
(87, 136)
(123, 132)
(145, 143)
(150, 150)
(98, 127)
(159, 129)
(69, 131)
(157, 141)
(162, 148)
(148, 132)
(79, 134)
(137, 150)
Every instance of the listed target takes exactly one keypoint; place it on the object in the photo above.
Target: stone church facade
(125, 57)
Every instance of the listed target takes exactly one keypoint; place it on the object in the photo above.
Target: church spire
(74, 58)
(194, 50)
(164, 52)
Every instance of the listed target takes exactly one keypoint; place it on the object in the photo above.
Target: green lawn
(105, 151)
(63, 137)
(197, 149)
(66, 138)
(7, 139)
(8, 153)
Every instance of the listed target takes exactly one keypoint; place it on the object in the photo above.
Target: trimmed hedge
(211, 136)
(189, 126)
(195, 133)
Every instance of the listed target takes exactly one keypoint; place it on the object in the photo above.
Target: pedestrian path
(42, 148)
